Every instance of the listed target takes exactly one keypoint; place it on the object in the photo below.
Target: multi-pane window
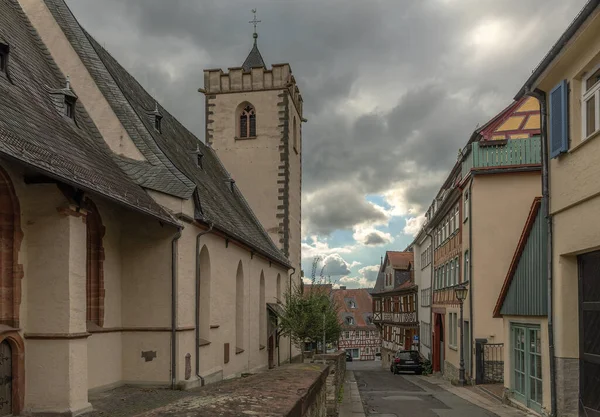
(425, 335)
(347, 335)
(248, 122)
(426, 297)
(466, 205)
(466, 270)
(591, 103)
(452, 330)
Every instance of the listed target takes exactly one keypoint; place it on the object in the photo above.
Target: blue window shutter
(559, 122)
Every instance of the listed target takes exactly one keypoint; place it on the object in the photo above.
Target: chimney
(342, 287)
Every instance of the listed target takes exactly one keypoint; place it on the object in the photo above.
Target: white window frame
(585, 96)
(452, 331)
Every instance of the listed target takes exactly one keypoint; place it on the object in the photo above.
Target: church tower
(254, 123)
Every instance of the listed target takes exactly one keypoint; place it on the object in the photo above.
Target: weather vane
(254, 22)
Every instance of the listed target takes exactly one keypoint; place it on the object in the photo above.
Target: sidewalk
(480, 400)
(351, 403)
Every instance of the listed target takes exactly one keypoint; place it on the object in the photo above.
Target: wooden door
(589, 333)
(5, 379)
(271, 351)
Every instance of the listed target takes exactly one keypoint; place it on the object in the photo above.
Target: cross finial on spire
(254, 22)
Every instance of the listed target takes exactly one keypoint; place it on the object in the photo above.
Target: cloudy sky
(392, 89)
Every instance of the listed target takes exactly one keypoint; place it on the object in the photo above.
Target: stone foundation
(567, 387)
(450, 372)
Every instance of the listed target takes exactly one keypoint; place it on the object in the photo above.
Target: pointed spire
(254, 58)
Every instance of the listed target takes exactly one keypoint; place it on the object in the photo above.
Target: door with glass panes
(527, 365)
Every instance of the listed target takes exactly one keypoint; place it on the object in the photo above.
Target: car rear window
(411, 356)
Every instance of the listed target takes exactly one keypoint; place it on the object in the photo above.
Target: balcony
(399, 318)
(503, 154)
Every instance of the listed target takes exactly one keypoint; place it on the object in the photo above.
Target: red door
(438, 342)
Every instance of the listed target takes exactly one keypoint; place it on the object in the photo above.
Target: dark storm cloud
(374, 239)
(339, 208)
(391, 88)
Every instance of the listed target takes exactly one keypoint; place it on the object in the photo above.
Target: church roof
(34, 132)
(217, 200)
(254, 59)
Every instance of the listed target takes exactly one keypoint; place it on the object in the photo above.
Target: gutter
(471, 246)
(174, 308)
(541, 96)
(198, 236)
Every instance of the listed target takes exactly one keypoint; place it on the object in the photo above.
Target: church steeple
(254, 58)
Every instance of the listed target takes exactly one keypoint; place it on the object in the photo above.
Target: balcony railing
(400, 318)
(514, 152)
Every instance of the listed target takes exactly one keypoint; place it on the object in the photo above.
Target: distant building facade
(395, 305)
(360, 335)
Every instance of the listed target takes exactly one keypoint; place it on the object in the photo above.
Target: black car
(348, 357)
(407, 361)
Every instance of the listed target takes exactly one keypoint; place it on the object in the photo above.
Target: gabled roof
(400, 260)
(363, 302)
(524, 291)
(254, 59)
(584, 14)
(35, 133)
(217, 201)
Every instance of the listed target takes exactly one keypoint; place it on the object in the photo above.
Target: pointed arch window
(248, 122)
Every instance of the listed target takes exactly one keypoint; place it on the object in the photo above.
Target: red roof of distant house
(356, 303)
(400, 260)
(326, 288)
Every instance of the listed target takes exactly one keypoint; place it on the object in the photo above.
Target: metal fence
(489, 359)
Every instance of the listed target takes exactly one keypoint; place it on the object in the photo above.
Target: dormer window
(351, 304)
(3, 57)
(350, 321)
(199, 160)
(157, 123)
(70, 107)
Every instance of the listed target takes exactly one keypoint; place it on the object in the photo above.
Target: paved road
(387, 395)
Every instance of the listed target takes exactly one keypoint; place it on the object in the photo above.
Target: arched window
(239, 309)
(262, 315)
(94, 271)
(204, 296)
(10, 239)
(247, 128)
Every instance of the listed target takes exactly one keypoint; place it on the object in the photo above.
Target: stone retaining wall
(335, 379)
(297, 390)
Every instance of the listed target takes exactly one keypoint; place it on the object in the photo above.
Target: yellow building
(567, 83)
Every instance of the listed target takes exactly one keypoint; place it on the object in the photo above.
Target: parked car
(348, 357)
(407, 361)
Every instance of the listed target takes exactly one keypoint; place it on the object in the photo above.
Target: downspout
(198, 236)
(290, 337)
(174, 308)
(541, 97)
(431, 326)
(471, 246)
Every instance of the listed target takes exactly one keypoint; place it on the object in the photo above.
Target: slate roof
(363, 302)
(254, 59)
(174, 151)
(34, 132)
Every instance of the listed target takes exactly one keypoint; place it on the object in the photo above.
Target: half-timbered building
(360, 335)
(395, 305)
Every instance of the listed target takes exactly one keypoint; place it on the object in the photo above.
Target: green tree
(308, 312)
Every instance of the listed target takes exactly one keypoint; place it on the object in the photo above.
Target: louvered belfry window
(248, 122)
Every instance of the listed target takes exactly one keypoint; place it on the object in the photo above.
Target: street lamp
(460, 291)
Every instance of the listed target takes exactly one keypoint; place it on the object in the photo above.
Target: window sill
(248, 138)
(261, 347)
(238, 350)
(203, 342)
(584, 141)
(453, 347)
(215, 326)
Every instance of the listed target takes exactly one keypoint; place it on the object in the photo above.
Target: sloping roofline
(533, 213)
(567, 35)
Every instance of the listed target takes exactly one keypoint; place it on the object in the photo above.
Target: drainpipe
(174, 308)
(541, 97)
(198, 236)
(431, 241)
(292, 274)
(471, 246)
